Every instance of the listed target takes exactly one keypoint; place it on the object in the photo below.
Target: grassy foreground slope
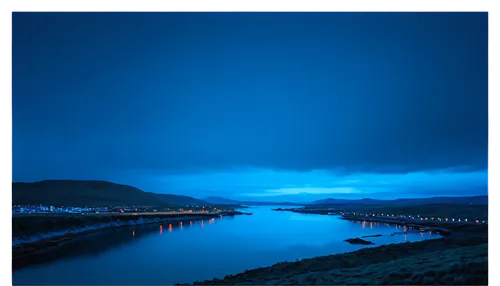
(459, 259)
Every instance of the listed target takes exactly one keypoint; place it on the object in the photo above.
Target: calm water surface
(154, 254)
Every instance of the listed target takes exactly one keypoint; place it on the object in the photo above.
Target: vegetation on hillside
(92, 193)
(80, 193)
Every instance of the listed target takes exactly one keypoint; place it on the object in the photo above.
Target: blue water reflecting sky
(214, 248)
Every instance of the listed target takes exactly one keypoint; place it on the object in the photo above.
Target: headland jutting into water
(38, 232)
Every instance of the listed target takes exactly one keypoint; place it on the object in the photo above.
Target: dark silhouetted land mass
(458, 259)
(91, 193)
(220, 200)
(179, 200)
(358, 241)
(224, 201)
(344, 203)
(475, 200)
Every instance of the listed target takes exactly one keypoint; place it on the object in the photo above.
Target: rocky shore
(358, 241)
(460, 259)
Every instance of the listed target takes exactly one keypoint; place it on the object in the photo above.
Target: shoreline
(460, 258)
(442, 228)
(25, 246)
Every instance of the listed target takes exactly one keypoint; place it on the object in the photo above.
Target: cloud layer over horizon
(362, 95)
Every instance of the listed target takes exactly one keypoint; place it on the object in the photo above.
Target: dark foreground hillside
(459, 259)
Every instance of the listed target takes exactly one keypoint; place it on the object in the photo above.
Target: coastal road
(385, 219)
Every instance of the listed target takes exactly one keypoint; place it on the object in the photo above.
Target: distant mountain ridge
(91, 193)
(224, 201)
(220, 200)
(179, 200)
(476, 200)
(103, 193)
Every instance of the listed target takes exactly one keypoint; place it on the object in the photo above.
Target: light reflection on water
(231, 244)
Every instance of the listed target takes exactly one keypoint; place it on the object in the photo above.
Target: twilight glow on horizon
(254, 106)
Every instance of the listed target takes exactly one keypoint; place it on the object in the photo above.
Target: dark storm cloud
(187, 92)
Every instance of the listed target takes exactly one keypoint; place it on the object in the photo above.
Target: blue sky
(259, 105)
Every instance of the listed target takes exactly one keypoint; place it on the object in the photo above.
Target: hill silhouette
(475, 200)
(90, 193)
(179, 200)
(224, 201)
